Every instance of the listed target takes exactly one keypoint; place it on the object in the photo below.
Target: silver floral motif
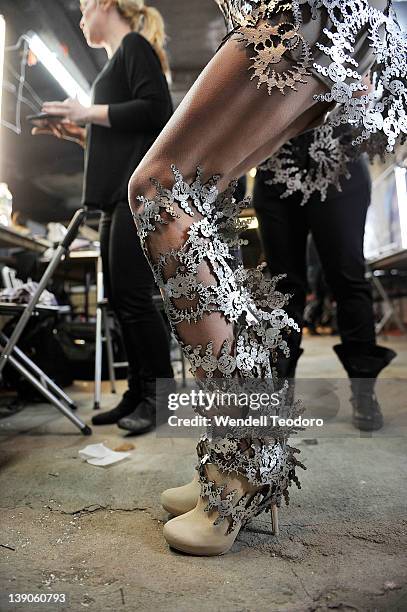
(371, 113)
(201, 275)
(380, 117)
(197, 280)
(238, 512)
(269, 43)
(326, 162)
(270, 466)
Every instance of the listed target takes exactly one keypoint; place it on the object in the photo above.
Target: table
(11, 238)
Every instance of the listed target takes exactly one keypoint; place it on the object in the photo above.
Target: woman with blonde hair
(130, 105)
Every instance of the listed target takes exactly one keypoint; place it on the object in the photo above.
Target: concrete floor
(95, 533)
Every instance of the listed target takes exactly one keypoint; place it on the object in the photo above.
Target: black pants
(129, 287)
(337, 226)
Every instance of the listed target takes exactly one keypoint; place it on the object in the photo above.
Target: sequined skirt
(338, 41)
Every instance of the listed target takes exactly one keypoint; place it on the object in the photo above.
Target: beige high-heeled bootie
(239, 479)
(180, 500)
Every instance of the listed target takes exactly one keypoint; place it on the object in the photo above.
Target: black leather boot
(363, 365)
(126, 406)
(152, 409)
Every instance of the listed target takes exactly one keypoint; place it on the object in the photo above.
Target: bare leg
(302, 123)
(223, 120)
(225, 125)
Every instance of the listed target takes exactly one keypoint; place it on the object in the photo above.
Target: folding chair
(31, 372)
(11, 354)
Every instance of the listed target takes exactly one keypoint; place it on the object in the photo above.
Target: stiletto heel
(274, 520)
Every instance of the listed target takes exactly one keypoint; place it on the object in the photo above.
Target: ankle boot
(152, 410)
(363, 365)
(239, 479)
(180, 500)
(126, 406)
(367, 415)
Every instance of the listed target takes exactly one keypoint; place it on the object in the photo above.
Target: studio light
(57, 69)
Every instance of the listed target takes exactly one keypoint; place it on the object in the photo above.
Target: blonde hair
(147, 21)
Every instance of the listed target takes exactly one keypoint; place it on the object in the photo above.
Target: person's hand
(64, 130)
(70, 110)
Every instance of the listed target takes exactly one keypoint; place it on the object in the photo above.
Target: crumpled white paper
(99, 454)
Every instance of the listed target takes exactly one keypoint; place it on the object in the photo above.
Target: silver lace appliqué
(268, 465)
(384, 109)
(381, 113)
(244, 297)
(327, 162)
(269, 43)
(201, 278)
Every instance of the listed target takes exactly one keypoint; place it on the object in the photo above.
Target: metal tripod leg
(109, 347)
(45, 380)
(98, 340)
(85, 429)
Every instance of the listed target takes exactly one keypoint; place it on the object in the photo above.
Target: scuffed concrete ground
(95, 534)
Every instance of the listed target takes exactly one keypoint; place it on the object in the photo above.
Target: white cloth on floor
(99, 454)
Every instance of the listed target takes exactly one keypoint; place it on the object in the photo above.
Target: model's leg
(220, 126)
(224, 120)
(299, 125)
(229, 323)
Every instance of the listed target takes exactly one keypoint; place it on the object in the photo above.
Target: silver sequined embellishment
(377, 117)
(269, 43)
(197, 279)
(326, 162)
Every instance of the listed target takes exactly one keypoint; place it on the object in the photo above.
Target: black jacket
(133, 85)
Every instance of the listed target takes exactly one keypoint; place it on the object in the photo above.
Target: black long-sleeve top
(133, 85)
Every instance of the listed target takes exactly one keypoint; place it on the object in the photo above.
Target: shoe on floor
(367, 415)
(152, 409)
(179, 500)
(142, 419)
(125, 407)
